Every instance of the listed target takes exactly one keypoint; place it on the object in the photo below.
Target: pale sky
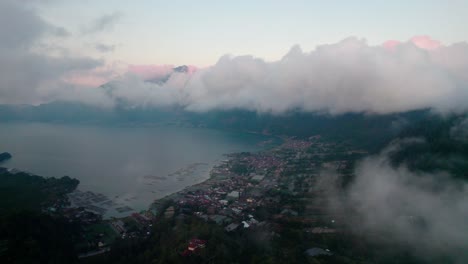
(309, 55)
(199, 32)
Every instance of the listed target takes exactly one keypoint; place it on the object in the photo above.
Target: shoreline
(201, 181)
(198, 186)
(212, 177)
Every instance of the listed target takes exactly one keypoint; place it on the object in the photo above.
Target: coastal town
(246, 192)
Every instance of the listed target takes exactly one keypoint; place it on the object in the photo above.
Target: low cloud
(425, 212)
(150, 71)
(348, 76)
(60, 32)
(460, 130)
(28, 76)
(103, 23)
(104, 48)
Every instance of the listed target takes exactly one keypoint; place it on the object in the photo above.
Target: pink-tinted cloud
(391, 44)
(422, 42)
(96, 77)
(87, 80)
(150, 71)
(425, 42)
(348, 76)
(191, 69)
(153, 71)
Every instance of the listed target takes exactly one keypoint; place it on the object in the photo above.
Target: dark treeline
(27, 233)
(22, 191)
(442, 146)
(369, 131)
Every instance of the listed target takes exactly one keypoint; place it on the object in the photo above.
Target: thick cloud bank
(349, 76)
(426, 212)
(28, 74)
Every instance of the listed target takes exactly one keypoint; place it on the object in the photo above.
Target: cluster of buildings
(239, 186)
(231, 197)
(135, 225)
(228, 199)
(291, 143)
(245, 182)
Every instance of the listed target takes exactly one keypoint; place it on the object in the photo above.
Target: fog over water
(130, 165)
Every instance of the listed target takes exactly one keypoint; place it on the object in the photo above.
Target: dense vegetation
(286, 245)
(22, 191)
(33, 237)
(368, 131)
(440, 144)
(27, 235)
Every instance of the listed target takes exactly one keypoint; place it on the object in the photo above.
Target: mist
(348, 76)
(425, 212)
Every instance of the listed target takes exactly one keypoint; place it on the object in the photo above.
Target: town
(246, 192)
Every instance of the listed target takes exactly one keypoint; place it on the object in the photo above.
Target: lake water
(131, 166)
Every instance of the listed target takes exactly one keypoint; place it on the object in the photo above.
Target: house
(258, 177)
(195, 244)
(218, 219)
(169, 213)
(289, 212)
(321, 230)
(233, 195)
(142, 219)
(312, 252)
(119, 226)
(231, 227)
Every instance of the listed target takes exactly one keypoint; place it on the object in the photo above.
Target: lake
(130, 166)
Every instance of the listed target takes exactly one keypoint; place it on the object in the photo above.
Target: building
(195, 244)
(258, 177)
(233, 195)
(169, 213)
(231, 227)
(312, 252)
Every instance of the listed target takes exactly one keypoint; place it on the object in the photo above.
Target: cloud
(94, 77)
(104, 48)
(425, 42)
(150, 71)
(103, 23)
(61, 32)
(27, 76)
(19, 26)
(348, 76)
(460, 130)
(425, 212)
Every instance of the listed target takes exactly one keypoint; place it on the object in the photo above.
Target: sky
(267, 56)
(198, 33)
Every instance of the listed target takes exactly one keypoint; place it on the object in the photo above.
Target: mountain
(367, 131)
(182, 69)
(5, 156)
(165, 78)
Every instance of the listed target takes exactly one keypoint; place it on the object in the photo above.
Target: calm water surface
(130, 165)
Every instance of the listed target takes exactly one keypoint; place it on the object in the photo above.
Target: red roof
(196, 243)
